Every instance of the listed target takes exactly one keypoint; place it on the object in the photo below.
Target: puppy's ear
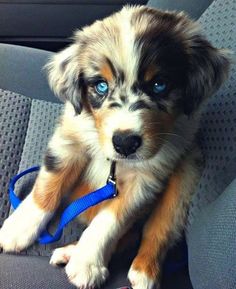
(65, 77)
(207, 70)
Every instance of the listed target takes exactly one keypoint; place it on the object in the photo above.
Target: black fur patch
(50, 161)
(76, 100)
(162, 107)
(121, 76)
(110, 94)
(123, 99)
(193, 67)
(95, 101)
(207, 70)
(163, 49)
(170, 69)
(136, 89)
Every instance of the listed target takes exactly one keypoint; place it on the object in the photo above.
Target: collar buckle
(112, 178)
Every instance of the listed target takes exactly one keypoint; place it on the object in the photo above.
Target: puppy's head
(135, 72)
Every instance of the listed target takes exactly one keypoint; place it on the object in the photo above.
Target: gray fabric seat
(22, 71)
(26, 124)
(211, 233)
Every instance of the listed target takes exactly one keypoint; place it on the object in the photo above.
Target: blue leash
(74, 209)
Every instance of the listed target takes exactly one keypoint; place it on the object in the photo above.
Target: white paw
(62, 255)
(139, 280)
(85, 274)
(15, 237)
(22, 227)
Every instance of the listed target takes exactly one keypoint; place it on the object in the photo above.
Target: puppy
(132, 85)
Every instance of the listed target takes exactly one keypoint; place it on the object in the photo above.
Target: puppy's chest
(135, 189)
(97, 173)
(130, 181)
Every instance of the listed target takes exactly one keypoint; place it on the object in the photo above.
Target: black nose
(126, 143)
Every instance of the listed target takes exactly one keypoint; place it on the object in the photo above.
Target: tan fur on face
(150, 73)
(106, 72)
(100, 117)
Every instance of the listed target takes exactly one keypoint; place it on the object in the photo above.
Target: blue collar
(74, 209)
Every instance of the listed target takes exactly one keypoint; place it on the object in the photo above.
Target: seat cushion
(211, 243)
(193, 8)
(14, 117)
(30, 272)
(211, 224)
(217, 128)
(22, 71)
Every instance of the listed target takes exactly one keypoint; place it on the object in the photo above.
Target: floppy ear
(64, 76)
(208, 68)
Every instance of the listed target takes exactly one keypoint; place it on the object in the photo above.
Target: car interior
(31, 31)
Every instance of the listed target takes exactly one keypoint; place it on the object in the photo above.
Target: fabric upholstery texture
(193, 8)
(211, 231)
(212, 243)
(218, 130)
(14, 116)
(16, 272)
(42, 120)
(31, 272)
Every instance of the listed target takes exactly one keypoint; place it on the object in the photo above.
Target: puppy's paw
(85, 274)
(15, 236)
(22, 227)
(62, 255)
(140, 280)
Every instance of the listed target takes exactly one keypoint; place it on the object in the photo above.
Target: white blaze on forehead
(128, 57)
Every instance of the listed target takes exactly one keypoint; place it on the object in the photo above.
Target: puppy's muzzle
(126, 143)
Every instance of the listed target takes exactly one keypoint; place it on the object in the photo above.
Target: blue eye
(101, 88)
(159, 87)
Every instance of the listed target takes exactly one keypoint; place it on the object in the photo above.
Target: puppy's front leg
(55, 178)
(87, 265)
(163, 227)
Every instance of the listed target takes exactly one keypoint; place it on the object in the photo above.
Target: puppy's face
(135, 72)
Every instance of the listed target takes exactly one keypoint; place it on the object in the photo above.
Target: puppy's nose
(126, 143)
